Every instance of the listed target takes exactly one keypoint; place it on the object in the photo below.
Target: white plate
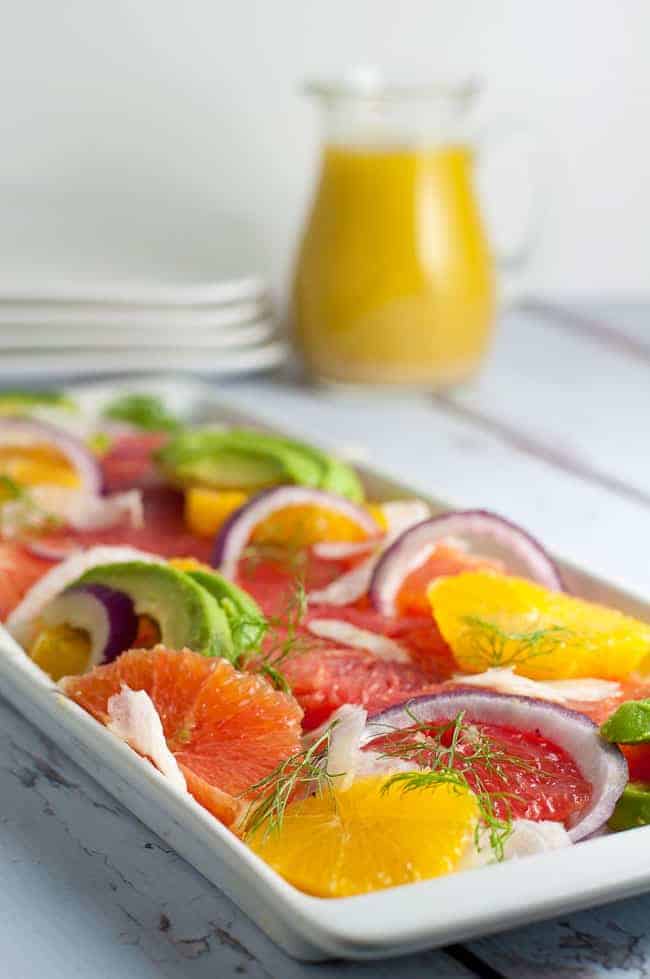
(54, 338)
(135, 293)
(41, 316)
(45, 364)
(390, 922)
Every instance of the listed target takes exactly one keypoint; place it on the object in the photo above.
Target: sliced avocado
(186, 614)
(633, 808)
(342, 479)
(236, 458)
(630, 724)
(245, 618)
(249, 459)
(22, 402)
(142, 410)
(336, 476)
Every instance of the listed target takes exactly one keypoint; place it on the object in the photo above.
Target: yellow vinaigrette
(361, 840)
(492, 620)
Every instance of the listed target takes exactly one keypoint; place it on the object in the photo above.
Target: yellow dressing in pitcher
(394, 281)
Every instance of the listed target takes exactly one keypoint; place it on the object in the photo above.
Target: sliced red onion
(22, 621)
(399, 515)
(485, 534)
(601, 763)
(28, 432)
(352, 585)
(107, 615)
(350, 635)
(236, 532)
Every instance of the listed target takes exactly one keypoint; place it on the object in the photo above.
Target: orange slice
(37, 465)
(492, 620)
(365, 840)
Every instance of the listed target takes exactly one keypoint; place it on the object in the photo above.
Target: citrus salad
(365, 692)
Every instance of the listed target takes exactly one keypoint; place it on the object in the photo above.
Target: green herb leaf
(457, 753)
(305, 771)
(494, 647)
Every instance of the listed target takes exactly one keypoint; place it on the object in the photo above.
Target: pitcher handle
(512, 256)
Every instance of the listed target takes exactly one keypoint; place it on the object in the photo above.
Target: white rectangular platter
(390, 922)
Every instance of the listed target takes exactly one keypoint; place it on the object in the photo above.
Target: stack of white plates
(216, 328)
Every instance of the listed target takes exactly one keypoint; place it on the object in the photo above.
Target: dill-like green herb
(458, 754)
(284, 639)
(10, 489)
(288, 557)
(494, 647)
(306, 770)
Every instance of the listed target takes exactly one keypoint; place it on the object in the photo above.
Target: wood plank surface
(553, 435)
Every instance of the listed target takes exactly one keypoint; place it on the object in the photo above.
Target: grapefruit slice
(129, 463)
(444, 560)
(227, 730)
(18, 571)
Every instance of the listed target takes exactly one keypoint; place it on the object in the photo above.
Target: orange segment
(33, 466)
(304, 525)
(227, 730)
(206, 509)
(61, 650)
(493, 620)
(364, 840)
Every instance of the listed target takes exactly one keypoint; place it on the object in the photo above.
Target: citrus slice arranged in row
(343, 843)
(492, 620)
(227, 730)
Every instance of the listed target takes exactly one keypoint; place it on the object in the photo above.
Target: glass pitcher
(395, 280)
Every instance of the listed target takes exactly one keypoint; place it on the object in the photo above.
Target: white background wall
(175, 128)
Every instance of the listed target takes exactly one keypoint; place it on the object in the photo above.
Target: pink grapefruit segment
(227, 730)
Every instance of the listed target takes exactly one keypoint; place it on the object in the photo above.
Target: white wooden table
(555, 434)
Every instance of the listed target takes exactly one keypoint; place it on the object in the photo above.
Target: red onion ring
(237, 530)
(106, 614)
(488, 534)
(600, 762)
(24, 432)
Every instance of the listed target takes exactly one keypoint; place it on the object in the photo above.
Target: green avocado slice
(633, 808)
(21, 402)
(186, 614)
(235, 459)
(336, 476)
(251, 460)
(630, 724)
(145, 411)
(245, 618)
